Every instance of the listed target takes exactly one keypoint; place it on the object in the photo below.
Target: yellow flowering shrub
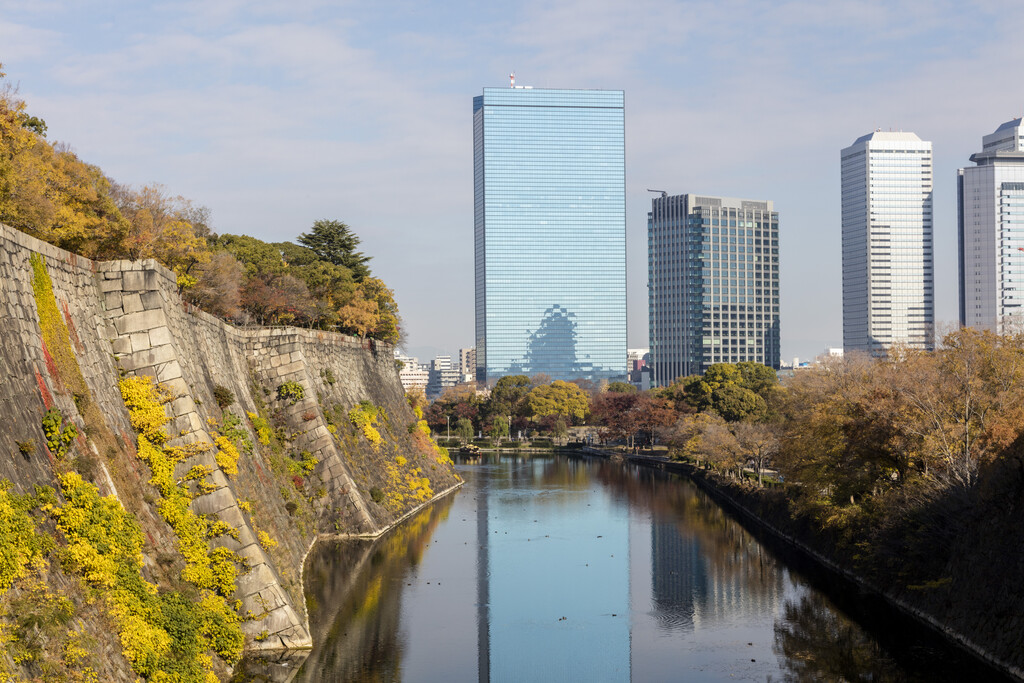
(20, 544)
(227, 455)
(262, 427)
(145, 403)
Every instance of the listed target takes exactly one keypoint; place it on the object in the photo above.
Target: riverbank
(772, 512)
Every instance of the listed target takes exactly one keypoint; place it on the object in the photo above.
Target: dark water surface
(566, 569)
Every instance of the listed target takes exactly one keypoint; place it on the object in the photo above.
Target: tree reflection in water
(815, 642)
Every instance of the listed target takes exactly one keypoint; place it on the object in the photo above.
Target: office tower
(887, 243)
(990, 222)
(713, 281)
(550, 233)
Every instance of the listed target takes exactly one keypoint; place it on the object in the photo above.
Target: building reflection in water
(545, 565)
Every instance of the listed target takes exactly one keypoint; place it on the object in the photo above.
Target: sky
(276, 114)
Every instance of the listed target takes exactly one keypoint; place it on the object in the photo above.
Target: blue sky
(275, 114)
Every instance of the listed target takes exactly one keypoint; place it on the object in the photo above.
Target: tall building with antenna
(888, 275)
(990, 198)
(550, 233)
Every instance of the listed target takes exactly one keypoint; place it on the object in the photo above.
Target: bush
(292, 392)
(59, 434)
(376, 495)
(223, 396)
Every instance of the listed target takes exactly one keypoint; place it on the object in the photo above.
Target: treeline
(322, 282)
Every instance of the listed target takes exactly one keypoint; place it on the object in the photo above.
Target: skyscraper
(550, 233)
(713, 283)
(887, 243)
(990, 198)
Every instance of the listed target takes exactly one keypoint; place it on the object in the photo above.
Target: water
(565, 569)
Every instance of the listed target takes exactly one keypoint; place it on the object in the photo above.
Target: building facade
(713, 284)
(467, 364)
(888, 276)
(412, 374)
(550, 233)
(990, 225)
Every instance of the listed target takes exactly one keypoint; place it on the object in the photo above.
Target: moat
(561, 568)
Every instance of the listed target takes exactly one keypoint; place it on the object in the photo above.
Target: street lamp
(509, 427)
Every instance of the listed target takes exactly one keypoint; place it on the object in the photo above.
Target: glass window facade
(550, 233)
(713, 292)
(888, 277)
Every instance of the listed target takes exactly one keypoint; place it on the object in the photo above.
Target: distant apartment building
(443, 374)
(990, 197)
(467, 364)
(550, 233)
(412, 374)
(713, 283)
(888, 276)
(639, 372)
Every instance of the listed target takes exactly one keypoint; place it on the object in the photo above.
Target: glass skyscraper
(991, 231)
(550, 233)
(713, 284)
(888, 276)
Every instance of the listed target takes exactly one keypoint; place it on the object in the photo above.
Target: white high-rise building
(990, 196)
(888, 276)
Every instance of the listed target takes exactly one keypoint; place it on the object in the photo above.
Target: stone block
(112, 300)
(179, 387)
(121, 345)
(143, 320)
(160, 335)
(132, 303)
(148, 358)
(140, 341)
(168, 371)
(182, 406)
(134, 281)
(111, 285)
(151, 300)
(213, 503)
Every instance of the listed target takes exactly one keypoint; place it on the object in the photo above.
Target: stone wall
(127, 317)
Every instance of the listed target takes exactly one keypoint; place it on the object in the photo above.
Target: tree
(558, 398)
(616, 413)
(218, 285)
(334, 242)
(759, 443)
(621, 388)
(464, 429)
(735, 403)
(499, 428)
(508, 397)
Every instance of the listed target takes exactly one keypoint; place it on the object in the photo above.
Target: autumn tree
(759, 445)
(218, 285)
(558, 398)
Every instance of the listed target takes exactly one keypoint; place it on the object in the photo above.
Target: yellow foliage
(227, 455)
(262, 427)
(144, 401)
(266, 542)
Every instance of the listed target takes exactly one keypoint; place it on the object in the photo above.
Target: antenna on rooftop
(512, 78)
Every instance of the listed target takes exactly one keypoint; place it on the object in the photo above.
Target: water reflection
(564, 569)
(815, 642)
(354, 611)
